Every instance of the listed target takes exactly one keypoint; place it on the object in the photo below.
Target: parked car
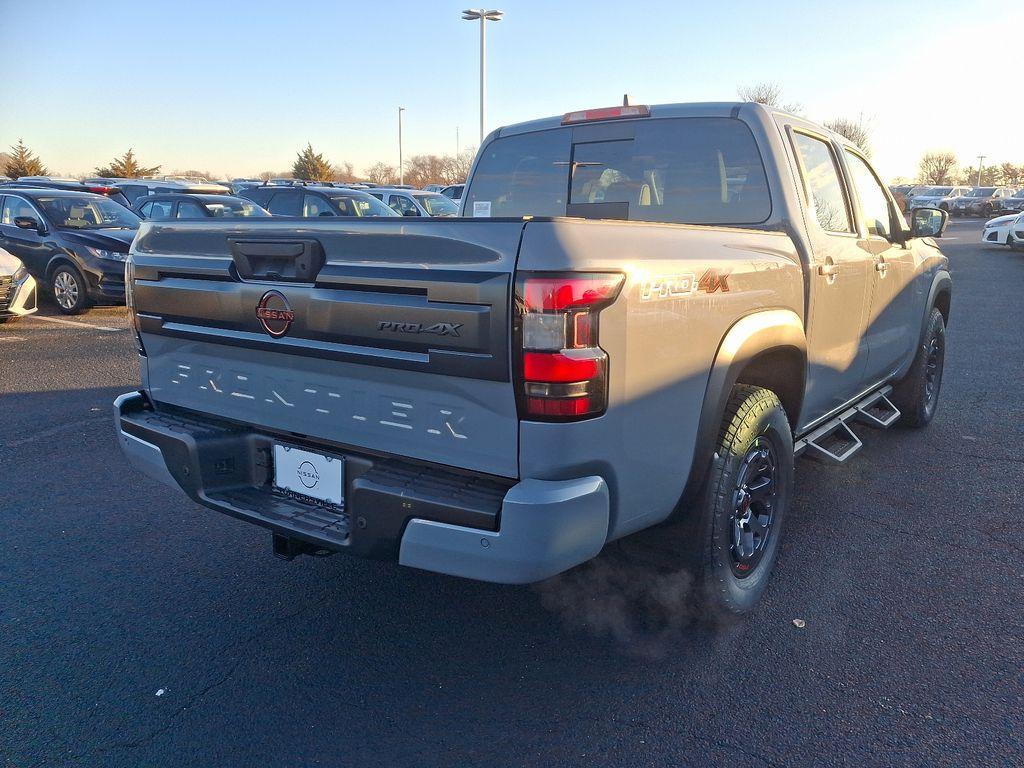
(936, 197)
(433, 187)
(1013, 203)
(136, 189)
(162, 207)
(1004, 230)
(498, 399)
(414, 202)
(453, 191)
(75, 243)
(981, 201)
(73, 185)
(17, 288)
(316, 201)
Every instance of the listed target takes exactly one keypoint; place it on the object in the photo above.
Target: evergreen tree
(23, 163)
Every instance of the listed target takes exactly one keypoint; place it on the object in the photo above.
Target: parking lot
(139, 629)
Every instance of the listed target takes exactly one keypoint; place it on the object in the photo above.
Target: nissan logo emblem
(274, 313)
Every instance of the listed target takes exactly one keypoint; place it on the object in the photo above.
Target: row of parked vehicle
(73, 236)
(961, 201)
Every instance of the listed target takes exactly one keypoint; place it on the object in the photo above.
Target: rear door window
(680, 170)
(315, 206)
(161, 210)
(286, 202)
(189, 210)
(821, 176)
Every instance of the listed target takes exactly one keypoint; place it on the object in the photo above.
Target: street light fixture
(472, 14)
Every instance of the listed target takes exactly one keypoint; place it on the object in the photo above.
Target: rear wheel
(69, 290)
(917, 395)
(743, 503)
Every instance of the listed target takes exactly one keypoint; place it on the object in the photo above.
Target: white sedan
(17, 288)
(1005, 230)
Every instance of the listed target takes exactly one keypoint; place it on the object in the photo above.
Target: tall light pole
(981, 159)
(472, 14)
(401, 167)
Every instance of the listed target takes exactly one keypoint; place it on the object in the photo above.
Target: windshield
(359, 204)
(937, 192)
(232, 209)
(93, 212)
(680, 170)
(982, 192)
(438, 205)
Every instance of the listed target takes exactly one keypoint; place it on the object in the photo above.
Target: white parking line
(104, 328)
(12, 338)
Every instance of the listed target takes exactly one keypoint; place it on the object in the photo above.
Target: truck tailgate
(381, 334)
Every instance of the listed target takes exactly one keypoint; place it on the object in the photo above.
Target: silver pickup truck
(644, 314)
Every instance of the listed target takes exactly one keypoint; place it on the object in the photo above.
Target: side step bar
(835, 441)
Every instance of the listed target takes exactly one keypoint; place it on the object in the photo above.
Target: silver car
(416, 202)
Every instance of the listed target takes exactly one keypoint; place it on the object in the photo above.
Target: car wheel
(69, 290)
(917, 394)
(738, 522)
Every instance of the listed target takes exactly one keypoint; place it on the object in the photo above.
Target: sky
(237, 88)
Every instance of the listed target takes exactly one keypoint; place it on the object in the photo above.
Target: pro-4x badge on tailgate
(274, 313)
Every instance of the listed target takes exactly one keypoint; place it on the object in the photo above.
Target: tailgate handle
(297, 261)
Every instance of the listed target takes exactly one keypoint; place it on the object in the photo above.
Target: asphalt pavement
(139, 629)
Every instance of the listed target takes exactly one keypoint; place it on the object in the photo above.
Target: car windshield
(938, 191)
(982, 192)
(438, 205)
(93, 212)
(1018, 193)
(358, 204)
(232, 209)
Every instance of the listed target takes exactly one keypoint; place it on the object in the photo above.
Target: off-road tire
(917, 394)
(754, 417)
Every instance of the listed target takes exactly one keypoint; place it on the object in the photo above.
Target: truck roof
(693, 109)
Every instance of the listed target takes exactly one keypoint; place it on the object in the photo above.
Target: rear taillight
(129, 300)
(563, 372)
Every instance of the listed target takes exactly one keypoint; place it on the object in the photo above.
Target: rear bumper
(425, 517)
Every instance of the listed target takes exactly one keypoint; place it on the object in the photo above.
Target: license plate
(310, 474)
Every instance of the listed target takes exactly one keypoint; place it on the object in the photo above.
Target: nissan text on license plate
(310, 474)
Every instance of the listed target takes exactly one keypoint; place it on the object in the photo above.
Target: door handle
(828, 270)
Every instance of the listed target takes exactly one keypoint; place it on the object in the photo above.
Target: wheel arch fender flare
(751, 337)
(56, 260)
(939, 295)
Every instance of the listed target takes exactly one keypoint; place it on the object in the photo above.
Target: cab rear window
(680, 170)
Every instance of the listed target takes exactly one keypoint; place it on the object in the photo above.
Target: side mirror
(411, 212)
(929, 222)
(28, 222)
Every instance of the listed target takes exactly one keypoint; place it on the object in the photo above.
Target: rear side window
(684, 170)
(260, 196)
(189, 210)
(286, 203)
(161, 210)
(822, 179)
(315, 206)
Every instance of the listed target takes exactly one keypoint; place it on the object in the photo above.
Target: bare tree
(937, 168)
(343, 172)
(456, 167)
(769, 94)
(382, 173)
(856, 131)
